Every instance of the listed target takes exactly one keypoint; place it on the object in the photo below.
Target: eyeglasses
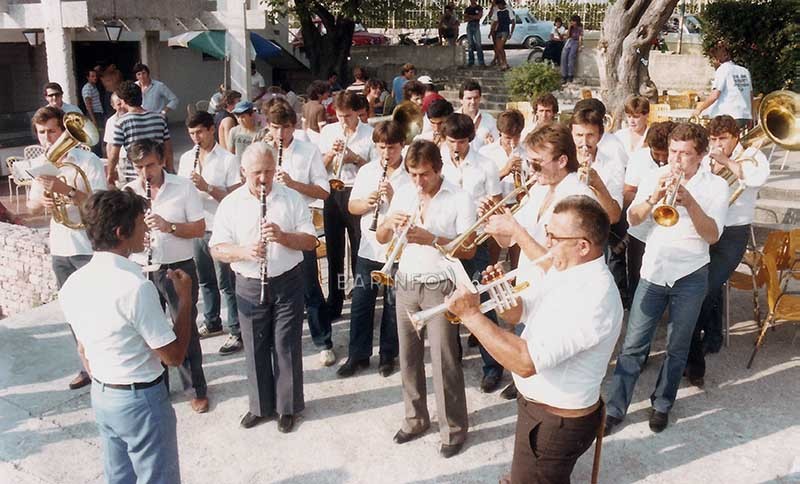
(556, 238)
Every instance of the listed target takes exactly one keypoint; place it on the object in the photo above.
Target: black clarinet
(374, 226)
(280, 151)
(264, 281)
(196, 158)
(148, 194)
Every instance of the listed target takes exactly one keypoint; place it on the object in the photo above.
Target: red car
(361, 36)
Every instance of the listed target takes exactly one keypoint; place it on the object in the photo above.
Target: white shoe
(327, 357)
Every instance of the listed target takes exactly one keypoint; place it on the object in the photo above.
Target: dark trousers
(338, 220)
(617, 263)
(362, 314)
(635, 254)
(474, 268)
(319, 321)
(63, 267)
(725, 256)
(546, 446)
(215, 277)
(272, 336)
(191, 371)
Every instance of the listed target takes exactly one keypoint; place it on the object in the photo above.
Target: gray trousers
(448, 377)
(63, 267)
(272, 336)
(191, 371)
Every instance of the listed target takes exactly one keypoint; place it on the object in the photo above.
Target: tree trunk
(328, 53)
(629, 28)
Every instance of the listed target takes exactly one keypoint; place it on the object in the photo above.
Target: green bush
(532, 79)
(762, 35)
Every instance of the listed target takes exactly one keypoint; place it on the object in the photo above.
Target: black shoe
(658, 421)
(472, 341)
(80, 381)
(351, 366)
(611, 423)
(509, 392)
(386, 367)
(448, 451)
(489, 383)
(402, 437)
(249, 420)
(285, 423)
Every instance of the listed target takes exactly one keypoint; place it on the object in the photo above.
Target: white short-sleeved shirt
(476, 174)
(611, 147)
(64, 241)
(612, 172)
(534, 218)
(570, 344)
(449, 213)
(176, 202)
(753, 177)
(359, 143)
(735, 90)
(367, 181)
(116, 315)
(497, 154)
(677, 251)
(303, 162)
(625, 136)
(219, 168)
(640, 165)
(237, 223)
(485, 124)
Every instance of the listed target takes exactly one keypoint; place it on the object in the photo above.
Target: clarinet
(148, 194)
(196, 159)
(280, 151)
(264, 281)
(374, 226)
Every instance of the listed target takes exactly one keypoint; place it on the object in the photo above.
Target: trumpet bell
(382, 278)
(665, 215)
(410, 117)
(337, 185)
(778, 122)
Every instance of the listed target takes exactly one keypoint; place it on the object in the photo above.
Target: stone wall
(26, 274)
(384, 61)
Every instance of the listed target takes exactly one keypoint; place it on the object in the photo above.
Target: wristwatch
(173, 228)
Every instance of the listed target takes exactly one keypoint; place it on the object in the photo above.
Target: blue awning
(265, 49)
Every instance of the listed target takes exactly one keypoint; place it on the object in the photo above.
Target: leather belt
(131, 386)
(566, 412)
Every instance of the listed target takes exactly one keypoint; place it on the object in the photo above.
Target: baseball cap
(425, 79)
(243, 106)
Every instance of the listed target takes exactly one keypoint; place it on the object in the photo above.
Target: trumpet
(665, 213)
(338, 164)
(149, 266)
(521, 174)
(394, 251)
(374, 225)
(264, 296)
(585, 174)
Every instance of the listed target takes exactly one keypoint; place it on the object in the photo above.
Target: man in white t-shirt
(731, 89)
(124, 338)
(258, 87)
(485, 126)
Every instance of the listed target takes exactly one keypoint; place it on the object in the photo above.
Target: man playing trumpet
(674, 271)
(557, 368)
(444, 211)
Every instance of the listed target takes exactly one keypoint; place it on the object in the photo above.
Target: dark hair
(658, 135)
(723, 124)
(388, 132)
(53, 85)
(229, 97)
(469, 85)
(130, 93)
(637, 105)
(317, 89)
(691, 132)
(720, 52)
(593, 104)
(459, 126)
(558, 19)
(109, 210)
(346, 100)
(413, 87)
(440, 108)
(588, 117)
(360, 73)
(361, 102)
(424, 152)
(45, 114)
(372, 84)
(547, 100)
(576, 19)
(558, 138)
(407, 67)
(510, 122)
(140, 149)
(592, 219)
(139, 67)
(89, 71)
(281, 113)
(200, 118)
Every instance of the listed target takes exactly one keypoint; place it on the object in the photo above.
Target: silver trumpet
(394, 251)
(148, 250)
(336, 169)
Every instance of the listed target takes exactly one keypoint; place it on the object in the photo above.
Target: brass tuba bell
(410, 117)
(77, 130)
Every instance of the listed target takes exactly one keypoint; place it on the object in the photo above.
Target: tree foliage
(532, 79)
(762, 35)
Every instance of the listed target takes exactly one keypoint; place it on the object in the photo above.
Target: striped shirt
(90, 91)
(138, 126)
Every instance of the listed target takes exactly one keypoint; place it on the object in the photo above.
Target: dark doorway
(90, 54)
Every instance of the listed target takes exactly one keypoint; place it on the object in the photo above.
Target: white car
(528, 31)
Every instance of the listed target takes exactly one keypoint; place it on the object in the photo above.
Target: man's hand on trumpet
(398, 220)
(418, 235)
(503, 227)
(513, 165)
(484, 205)
(464, 304)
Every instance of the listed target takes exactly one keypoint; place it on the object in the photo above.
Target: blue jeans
(474, 268)
(362, 310)
(137, 431)
(649, 303)
(725, 256)
(474, 41)
(319, 321)
(215, 277)
(569, 57)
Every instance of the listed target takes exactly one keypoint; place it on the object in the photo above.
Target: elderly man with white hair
(266, 226)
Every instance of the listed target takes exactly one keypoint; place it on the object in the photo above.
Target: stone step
(774, 211)
(457, 82)
(486, 96)
(492, 107)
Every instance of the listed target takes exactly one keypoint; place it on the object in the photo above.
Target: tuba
(777, 123)
(665, 213)
(77, 130)
(410, 117)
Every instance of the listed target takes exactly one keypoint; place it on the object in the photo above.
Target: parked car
(691, 25)
(361, 36)
(528, 31)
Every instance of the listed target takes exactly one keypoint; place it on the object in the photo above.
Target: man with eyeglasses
(558, 368)
(54, 95)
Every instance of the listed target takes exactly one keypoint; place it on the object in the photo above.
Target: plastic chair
(201, 106)
(33, 151)
(658, 113)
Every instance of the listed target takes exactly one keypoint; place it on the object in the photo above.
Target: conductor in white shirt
(123, 339)
(271, 332)
(559, 362)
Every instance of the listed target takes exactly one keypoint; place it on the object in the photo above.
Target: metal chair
(201, 106)
(10, 161)
(33, 151)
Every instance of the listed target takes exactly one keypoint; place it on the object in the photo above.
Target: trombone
(394, 251)
(665, 213)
